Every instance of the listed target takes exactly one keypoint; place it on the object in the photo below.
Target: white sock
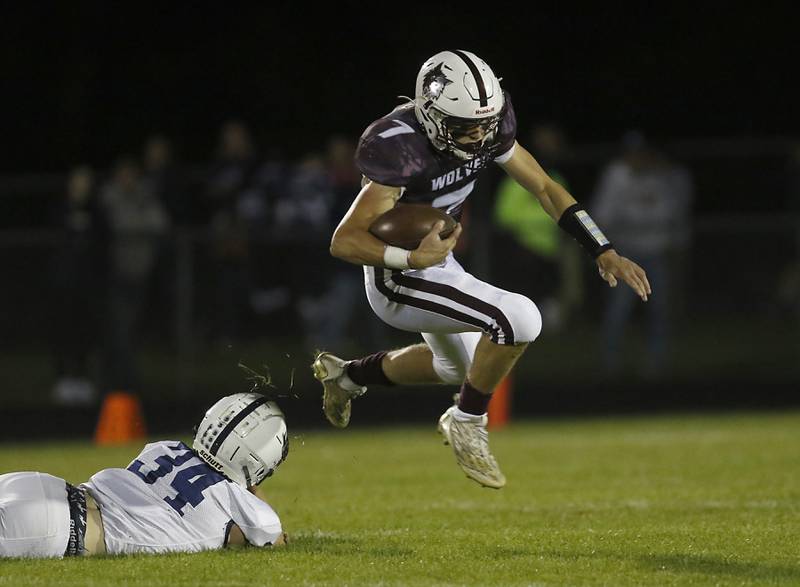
(348, 384)
(466, 417)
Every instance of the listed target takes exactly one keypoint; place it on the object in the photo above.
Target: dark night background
(86, 82)
(83, 80)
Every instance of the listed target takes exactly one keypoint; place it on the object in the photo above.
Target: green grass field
(670, 500)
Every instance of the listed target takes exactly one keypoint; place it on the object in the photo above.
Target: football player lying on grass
(171, 498)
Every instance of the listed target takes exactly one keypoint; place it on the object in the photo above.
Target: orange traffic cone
(120, 419)
(500, 406)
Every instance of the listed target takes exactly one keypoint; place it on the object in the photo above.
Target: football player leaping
(432, 150)
(171, 498)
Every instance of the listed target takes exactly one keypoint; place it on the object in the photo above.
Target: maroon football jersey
(394, 150)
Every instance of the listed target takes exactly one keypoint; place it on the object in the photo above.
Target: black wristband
(577, 222)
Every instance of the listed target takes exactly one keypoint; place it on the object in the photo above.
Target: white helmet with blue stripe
(244, 437)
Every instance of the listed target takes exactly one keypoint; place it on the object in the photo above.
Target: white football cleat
(470, 441)
(330, 370)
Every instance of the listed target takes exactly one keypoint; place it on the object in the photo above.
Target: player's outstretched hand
(432, 248)
(613, 266)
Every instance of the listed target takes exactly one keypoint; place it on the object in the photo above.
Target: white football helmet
(457, 91)
(243, 436)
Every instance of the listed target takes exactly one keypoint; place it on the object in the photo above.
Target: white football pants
(34, 515)
(452, 310)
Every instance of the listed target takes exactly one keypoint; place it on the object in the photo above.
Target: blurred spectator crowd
(642, 201)
(119, 249)
(260, 227)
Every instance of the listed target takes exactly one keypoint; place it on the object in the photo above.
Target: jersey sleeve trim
(504, 158)
(389, 183)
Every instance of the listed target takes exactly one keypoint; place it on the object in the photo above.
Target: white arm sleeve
(257, 520)
(507, 155)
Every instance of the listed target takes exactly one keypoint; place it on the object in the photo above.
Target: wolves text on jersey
(459, 173)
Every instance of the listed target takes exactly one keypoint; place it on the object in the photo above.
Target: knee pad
(524, 316)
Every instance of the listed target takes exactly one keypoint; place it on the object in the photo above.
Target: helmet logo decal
(434, 82)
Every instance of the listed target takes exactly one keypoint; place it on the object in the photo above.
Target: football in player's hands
(406, 225)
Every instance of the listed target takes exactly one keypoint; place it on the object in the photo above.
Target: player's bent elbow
(340, 250)
(343, 246)
(337, 247)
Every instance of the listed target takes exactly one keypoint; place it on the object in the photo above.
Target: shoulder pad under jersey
(393, 149)
(507, 133)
